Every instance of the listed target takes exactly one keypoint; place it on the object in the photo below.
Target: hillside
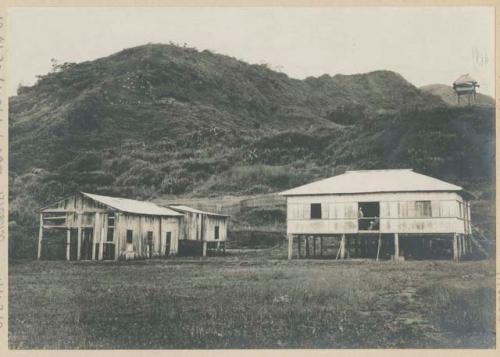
(447, 94)
(161, 121)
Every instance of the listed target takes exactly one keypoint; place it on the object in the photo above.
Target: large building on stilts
(380, 214)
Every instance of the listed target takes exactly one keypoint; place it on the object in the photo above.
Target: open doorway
(368, 216)
(87, 243)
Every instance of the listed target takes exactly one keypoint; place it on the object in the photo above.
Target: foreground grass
(253, 300)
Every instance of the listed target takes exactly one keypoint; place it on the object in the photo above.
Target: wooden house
(206, 228)
(108, 228)
(380, 214)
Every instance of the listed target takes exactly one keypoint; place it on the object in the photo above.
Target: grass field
(251, 299)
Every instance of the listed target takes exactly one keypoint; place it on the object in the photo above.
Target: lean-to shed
(108, 228)
(206, 228)
(379, 213)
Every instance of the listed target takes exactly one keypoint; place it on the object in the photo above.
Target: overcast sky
(425, 45)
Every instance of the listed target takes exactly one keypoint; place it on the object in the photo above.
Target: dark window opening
(315, 210)
(423, 208)
(167, 243)
(109, 236)
(150, 244)
(368, 216)
(216, 233)
(129, 235)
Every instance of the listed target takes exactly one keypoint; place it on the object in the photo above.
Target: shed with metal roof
(95, 227)
(206, 228)
(380, 214)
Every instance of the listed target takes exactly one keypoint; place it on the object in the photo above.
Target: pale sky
(425, 45)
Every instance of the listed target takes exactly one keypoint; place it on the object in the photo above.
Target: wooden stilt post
(342, 247)
(307, 246)
(459, 247)
(396, 246)
(321, 245)
(96, 236)
(455, 248)
(102, 236)
(79, 238)
(379, 244)
(347, 246)
(68, 243)
(290, 246)
(40, 237)
(204, 248)
(299, 245)
(314, 245)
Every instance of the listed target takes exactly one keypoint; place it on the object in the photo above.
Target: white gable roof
(133, 206)
(183, 208)
(373, 181)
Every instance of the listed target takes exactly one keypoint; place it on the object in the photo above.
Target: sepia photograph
(193, 178)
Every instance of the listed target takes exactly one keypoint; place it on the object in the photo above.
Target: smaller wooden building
(110, 228)
(203, 228)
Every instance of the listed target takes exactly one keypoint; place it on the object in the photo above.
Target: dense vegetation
(162, 121)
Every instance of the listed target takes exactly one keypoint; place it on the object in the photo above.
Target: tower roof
(465, 79)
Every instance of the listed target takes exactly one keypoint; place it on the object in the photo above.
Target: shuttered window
(216, 233)
(423, 209)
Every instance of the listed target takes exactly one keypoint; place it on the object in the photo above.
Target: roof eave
(367, 193)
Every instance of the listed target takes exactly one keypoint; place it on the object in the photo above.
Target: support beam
(40, 237)
(290, 246)
(379, 244)
(342, 247)
(314, 245)
(104, 230)
(79, 238)
(95, 236)
(307, 246)
(459, 247)
(116, 236)
(68, 243)
(396, 246)
(299, 245)
(204, 248)
(455, 248)
(321, 245)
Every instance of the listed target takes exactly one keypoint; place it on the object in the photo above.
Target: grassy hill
(162, 121)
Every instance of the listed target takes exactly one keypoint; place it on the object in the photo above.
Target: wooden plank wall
(398, 213)
(86, 213)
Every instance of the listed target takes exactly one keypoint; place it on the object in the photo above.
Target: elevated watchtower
(465, 86)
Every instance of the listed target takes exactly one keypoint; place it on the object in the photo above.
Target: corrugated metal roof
(465, 79)
(372, 181)
(183, 208)
(133, 206)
